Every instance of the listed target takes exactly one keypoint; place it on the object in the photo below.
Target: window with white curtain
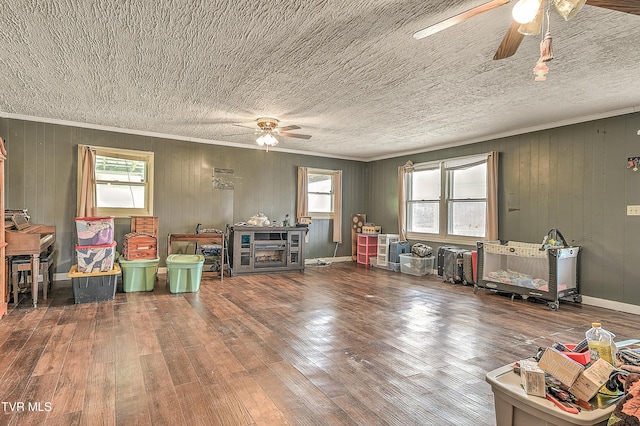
(123, 182)
(447, 200)
(320, 193)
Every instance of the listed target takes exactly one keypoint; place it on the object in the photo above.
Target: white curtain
(303, 187)
(87, 201)
(402, 202)
(491, 229)
(337, 206)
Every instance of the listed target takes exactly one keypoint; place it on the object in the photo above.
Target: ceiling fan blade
(461, 17)
(626, 6)
(286, 128)
(241, 134)
(294, 135)
(246, 127)
(510, 42)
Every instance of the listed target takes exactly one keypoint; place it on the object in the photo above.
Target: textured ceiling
(347, 71)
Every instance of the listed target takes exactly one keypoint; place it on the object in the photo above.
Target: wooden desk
(206, 238)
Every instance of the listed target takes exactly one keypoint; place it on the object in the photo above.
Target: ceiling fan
(268, 129)
(515, 33)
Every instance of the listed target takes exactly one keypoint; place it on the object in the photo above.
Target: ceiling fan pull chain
(546, 54)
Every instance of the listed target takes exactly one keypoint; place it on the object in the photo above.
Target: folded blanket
(627, 411)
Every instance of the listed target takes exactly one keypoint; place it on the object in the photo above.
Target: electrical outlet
(633, 210)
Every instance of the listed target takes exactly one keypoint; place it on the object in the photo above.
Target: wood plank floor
(339, 345)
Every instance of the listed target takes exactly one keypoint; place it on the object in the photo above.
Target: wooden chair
(23, 264)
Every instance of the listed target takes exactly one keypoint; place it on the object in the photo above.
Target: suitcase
(441, 252)
(453, 268)
(468, 271)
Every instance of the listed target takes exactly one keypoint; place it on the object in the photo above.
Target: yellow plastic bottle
(601, 343)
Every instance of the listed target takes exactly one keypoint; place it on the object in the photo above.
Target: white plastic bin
(415, 265)
(515, 408)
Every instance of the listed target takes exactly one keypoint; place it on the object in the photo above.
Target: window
(123, 182)
(320, 193)
(320, 196)
(447, 200)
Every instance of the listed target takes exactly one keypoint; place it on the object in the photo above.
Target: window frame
(331, 174)
(129, 154)
(446, 168)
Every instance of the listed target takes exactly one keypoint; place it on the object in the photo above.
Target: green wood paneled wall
(574, 178)
(41, 176)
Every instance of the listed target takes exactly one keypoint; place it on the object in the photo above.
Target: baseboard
(611, 304)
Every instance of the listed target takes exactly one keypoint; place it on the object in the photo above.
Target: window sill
(321, 216)
(451, 239)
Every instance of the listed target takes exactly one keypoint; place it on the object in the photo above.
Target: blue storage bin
(396, 249)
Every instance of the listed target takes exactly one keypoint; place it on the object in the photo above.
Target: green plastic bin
(138, 275)
(184, 272)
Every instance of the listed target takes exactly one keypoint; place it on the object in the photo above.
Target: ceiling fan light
(267, 139)
(525, 11)
(534, 27)
(568, 8)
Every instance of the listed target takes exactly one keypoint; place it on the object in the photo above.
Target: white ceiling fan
(511, 41)
(269, 131)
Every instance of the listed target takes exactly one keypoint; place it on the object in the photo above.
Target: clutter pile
(259, 219)
(573, 377)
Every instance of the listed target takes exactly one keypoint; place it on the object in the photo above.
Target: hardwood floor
(339, 345)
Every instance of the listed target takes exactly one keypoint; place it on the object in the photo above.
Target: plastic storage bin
(384, 241)
(184, 272)
(94, 286)
(515, 408)
(397, 248)
(94, 231)
(414, 265)
(138, 275)
(96, 258)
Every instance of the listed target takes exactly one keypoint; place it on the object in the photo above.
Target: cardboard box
(532, 377)
(371, 229)
(560, 366)
(590, 380)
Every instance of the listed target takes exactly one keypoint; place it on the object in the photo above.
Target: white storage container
(414, 265)
(515, 408)
(384, 241)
